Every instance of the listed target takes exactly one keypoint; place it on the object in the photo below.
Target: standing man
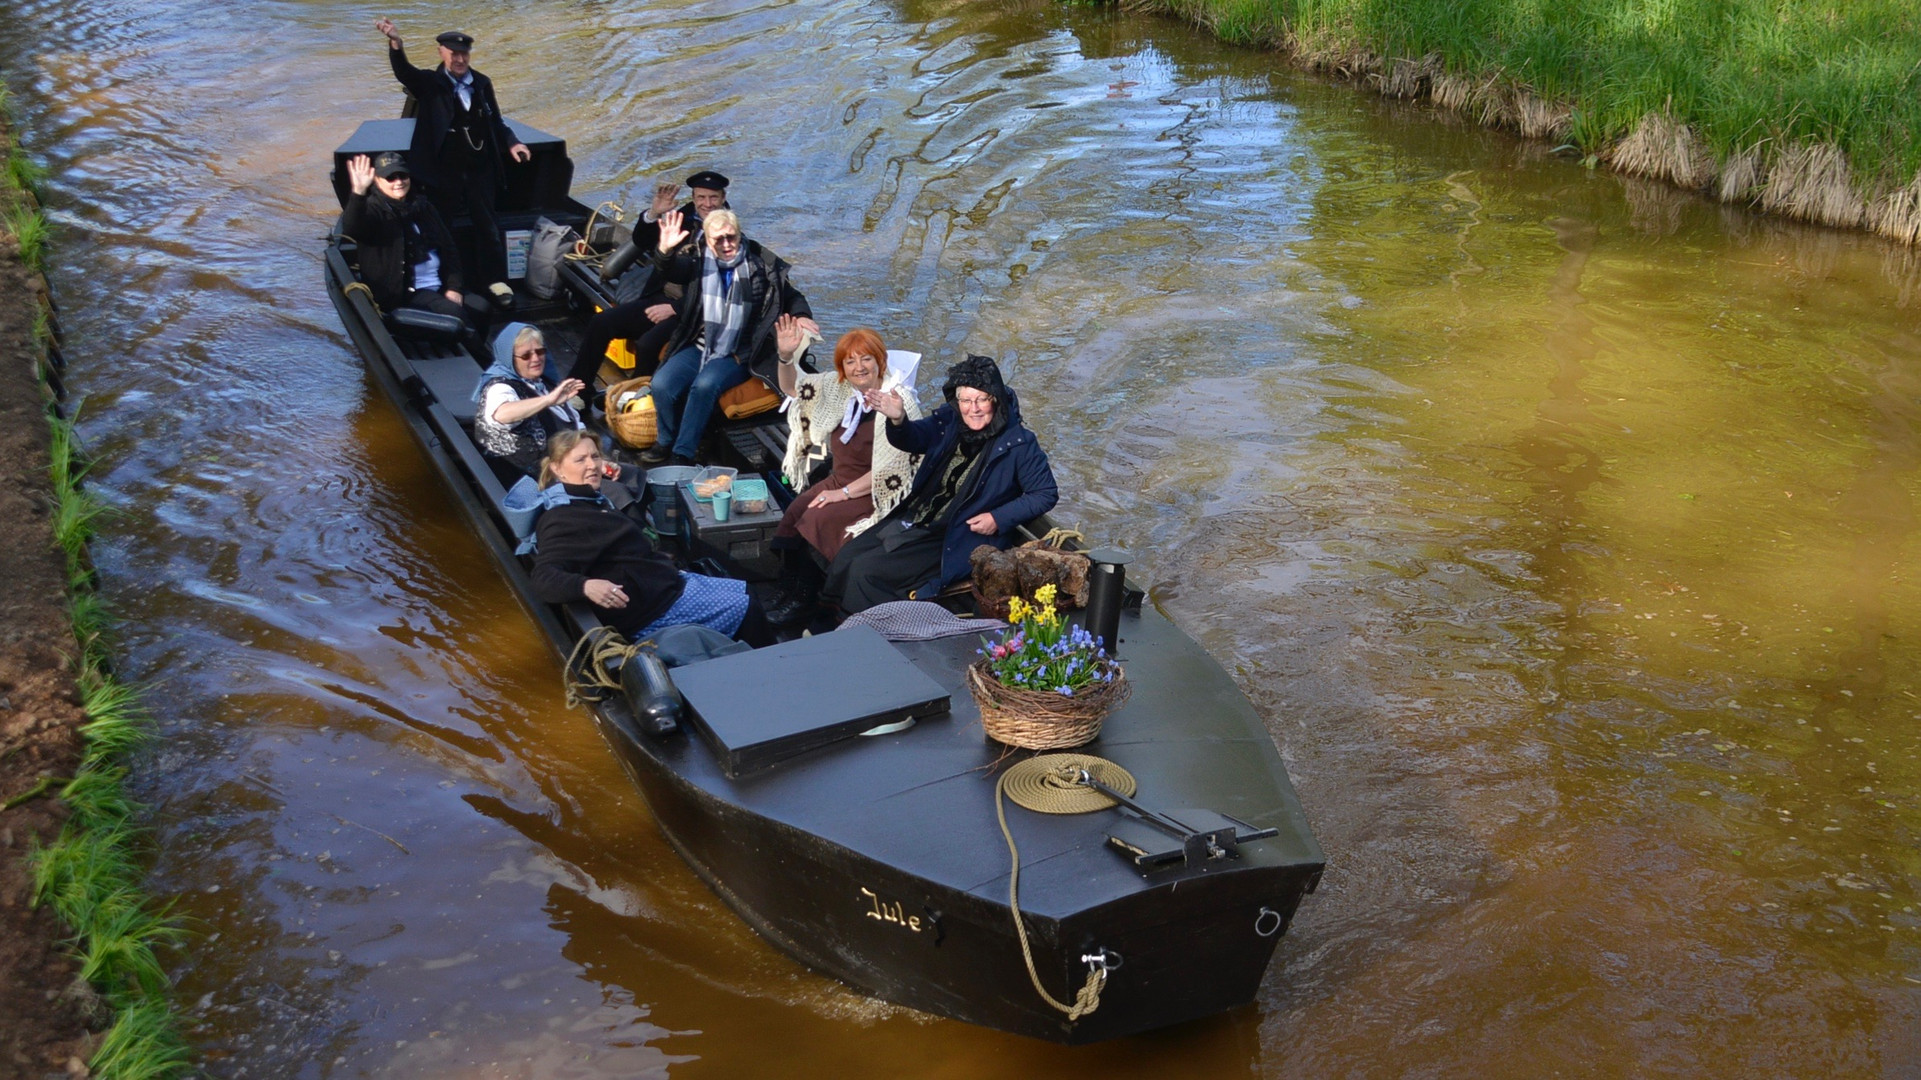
(459, 135)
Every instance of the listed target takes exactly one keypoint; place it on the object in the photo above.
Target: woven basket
(634, 430)
(1043, 719)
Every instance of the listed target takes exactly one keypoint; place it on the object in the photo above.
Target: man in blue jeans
(735, 291)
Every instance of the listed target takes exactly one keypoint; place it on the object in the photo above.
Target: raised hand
(787, 331)
(386, 28)
(671, 234)
(887, 403)
(568, 390)
(360, 173)
(666, 194)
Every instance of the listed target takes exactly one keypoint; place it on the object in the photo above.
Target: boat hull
(1189, 948)
(878, 862)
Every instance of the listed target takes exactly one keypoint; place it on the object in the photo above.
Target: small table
(742, 538)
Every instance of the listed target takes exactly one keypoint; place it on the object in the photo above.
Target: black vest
(531, 434)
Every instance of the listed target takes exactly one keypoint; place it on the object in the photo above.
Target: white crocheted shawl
(820, 401)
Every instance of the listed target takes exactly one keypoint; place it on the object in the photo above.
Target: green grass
(72, 526)
(29, 229)
(115, 725)
(74, 513)
(142, 1045)
(1743, 72)
(25, 173)
(91, 618)
(92, 873)
(98, 796)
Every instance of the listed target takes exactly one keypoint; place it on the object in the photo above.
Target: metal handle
(1265, 914)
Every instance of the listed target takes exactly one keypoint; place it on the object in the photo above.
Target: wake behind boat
(880, 860)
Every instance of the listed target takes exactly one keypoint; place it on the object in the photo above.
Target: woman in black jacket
(586, 550)
(407, 257)
(982, 475)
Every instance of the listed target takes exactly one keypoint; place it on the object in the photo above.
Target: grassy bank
(91, 872)
(1807, 109)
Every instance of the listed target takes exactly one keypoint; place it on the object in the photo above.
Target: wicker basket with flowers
(1045, 683)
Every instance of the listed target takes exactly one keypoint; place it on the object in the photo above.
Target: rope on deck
(1050, 784)
(593, 668)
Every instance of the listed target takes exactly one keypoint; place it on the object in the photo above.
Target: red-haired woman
(830, 420)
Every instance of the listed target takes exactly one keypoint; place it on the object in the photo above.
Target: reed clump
(1812, 111)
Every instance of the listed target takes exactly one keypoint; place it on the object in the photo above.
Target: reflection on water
(1563, 527)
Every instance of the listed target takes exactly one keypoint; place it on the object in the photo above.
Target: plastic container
(750, 495)
(711, 472)
(663, 482)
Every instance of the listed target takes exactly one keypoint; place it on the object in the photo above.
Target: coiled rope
(1050, 784)
(583, 251)
(593, 668)
(353, 287)
(1058, 537)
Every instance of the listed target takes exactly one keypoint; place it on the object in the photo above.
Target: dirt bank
(49, 1011)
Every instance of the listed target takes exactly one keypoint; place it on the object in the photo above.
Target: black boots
(800, 582)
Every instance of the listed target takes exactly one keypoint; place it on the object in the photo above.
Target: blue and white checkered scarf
(723, 309)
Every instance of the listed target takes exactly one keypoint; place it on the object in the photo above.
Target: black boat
(879, 860)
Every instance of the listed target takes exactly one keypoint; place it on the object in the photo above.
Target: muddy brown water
(1563, 528)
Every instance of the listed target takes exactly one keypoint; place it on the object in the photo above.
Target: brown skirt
(823, 527)
(826, 527)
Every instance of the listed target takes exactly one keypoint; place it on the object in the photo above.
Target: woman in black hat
(406, 256)
(983, 475)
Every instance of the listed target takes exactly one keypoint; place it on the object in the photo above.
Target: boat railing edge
(369, 313)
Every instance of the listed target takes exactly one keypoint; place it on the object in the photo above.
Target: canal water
(1562, 527)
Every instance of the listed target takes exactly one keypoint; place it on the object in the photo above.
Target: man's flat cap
(457, 41)
(709, 179)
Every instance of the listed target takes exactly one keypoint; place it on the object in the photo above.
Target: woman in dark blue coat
(982, 476)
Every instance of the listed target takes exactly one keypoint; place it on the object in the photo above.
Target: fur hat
(980, 373)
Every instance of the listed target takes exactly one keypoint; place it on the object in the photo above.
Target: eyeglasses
(530, 355)
(726, 240)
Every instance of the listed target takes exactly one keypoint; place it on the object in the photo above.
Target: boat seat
(450, 374)
(758, 445)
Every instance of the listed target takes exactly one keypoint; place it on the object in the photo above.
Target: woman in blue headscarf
(587, 550)
(520, 406)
